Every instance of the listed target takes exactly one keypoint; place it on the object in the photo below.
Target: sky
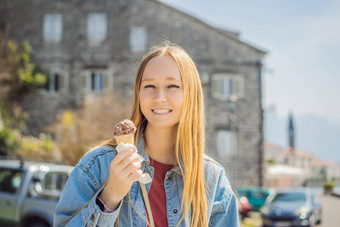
(301, 70)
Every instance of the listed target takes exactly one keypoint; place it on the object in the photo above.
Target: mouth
(161, 111)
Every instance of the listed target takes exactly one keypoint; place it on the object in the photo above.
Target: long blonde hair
(190, 141)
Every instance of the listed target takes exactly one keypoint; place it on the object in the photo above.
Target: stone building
(92, 46)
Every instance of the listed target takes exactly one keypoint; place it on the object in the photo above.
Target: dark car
(291, 208)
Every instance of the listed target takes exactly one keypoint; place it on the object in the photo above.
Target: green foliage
(34, 148)
(12, 116)
(9, 142)
(18, 77)
(271, 161)
(29, 74)
(13, 143)
(328, 185)
(18, 74)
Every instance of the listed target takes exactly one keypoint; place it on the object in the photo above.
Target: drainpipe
(260, 143)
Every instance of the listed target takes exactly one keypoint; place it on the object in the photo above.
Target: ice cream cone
(128, 138)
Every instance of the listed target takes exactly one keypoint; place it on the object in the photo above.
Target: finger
(132, 167)
(128, 160)
(135, 175)
(123, 154)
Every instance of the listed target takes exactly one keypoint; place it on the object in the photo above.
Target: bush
(77, 131)
(9, 142)
(39, 149)
(328, 187)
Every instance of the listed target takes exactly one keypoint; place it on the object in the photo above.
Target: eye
(173, 86)
(149, 86)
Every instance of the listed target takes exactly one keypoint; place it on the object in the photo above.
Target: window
(223, 86)
(97, 81)
(55, 82)
(10, 180)
(226, 142)
(138, 39)
(96, 27)
(53, 27)
(55, 181)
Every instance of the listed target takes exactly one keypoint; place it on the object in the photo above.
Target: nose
(160, 95)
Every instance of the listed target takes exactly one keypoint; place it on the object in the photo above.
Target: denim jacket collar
(146, 162)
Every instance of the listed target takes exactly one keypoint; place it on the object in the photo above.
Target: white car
(29, 192)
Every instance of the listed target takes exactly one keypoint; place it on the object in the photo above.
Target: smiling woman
(188, 188)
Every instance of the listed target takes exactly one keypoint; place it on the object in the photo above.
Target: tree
(18, 76)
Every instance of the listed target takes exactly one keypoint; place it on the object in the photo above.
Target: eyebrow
(167, 78)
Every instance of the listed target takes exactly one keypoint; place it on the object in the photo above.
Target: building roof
(299, 153)
(224, 32)
(271, 146)
(324, 163)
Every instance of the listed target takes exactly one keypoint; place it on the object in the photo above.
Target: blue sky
(303, 43)
(302, 67)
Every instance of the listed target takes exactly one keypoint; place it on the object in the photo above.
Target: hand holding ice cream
(125, 168)
(124, 133)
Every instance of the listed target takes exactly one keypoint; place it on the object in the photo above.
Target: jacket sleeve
(224, 209)
(77, 205)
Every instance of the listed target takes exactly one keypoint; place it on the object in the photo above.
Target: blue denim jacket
(87, 179)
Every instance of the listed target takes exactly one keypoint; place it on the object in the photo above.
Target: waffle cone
(128, 138)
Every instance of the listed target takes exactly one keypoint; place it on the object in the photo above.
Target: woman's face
(161, 92)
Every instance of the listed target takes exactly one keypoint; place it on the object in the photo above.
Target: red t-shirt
(157, 195)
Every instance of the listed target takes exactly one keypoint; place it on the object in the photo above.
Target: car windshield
(290, 197)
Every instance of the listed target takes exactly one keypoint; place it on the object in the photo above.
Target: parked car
(291, 208)
(29, 192)
(255, 195)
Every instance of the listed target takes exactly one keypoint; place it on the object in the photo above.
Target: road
(331, 211)
(330, 214)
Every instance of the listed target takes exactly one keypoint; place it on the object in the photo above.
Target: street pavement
(330, 213)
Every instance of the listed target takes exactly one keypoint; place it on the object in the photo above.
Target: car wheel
(318, 222)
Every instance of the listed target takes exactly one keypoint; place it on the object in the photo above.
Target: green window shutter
(61, 82)
(215, 87)
(106, 81)
(84, 82)
(238, 86)
(242, 86)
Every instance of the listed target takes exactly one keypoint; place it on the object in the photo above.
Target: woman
(188, 188)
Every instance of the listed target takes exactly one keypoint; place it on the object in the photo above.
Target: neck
(160, 144)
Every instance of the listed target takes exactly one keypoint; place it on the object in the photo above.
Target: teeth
(161, 111)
